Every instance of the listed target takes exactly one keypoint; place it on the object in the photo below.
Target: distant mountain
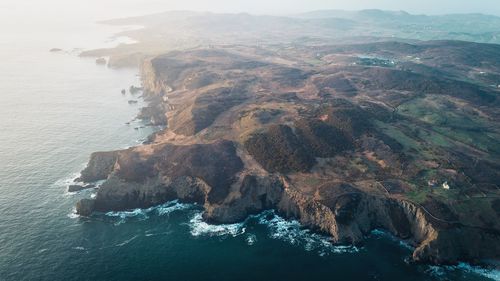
(179, 30)
(374, 13)
(473, 24)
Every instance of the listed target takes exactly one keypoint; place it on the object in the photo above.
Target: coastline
(292, 205)
(158, 87)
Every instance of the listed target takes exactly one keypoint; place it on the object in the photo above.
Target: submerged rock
(85, 207)
(76, 187)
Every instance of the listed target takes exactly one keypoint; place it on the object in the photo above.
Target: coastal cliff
(341, 147)
(348, 218)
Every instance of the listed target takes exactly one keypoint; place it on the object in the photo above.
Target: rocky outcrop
(353, 216)
(152, 84)
(343, 148)
(77, 187)
(141, 178)
(101, 164)
(85, 207)
(253, 195)
(345, 212)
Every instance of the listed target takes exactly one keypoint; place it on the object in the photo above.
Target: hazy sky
(104, 9)
(274, 6)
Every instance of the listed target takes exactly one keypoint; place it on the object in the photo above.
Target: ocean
(57, 108)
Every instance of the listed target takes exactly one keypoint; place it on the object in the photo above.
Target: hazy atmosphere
(250, 140)
(102, 8)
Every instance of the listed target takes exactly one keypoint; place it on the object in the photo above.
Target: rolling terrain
(346, 138)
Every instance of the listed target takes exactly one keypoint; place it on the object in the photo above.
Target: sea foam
(201, 228)
(493, 274)
(445, 270)
(293, 232)
(289, 231)
(143, 214)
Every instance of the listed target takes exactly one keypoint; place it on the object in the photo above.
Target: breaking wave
(445, 270)
(73, 214)
(126, 241)
(201, 228)
(143, 214)
(293, 232)
(279, 228)
(493, 274)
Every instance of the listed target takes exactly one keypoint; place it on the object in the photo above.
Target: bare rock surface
(346, 139)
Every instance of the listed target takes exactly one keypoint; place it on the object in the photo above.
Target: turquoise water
(55, 110)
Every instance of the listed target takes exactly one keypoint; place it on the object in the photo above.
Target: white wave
(291, 231)
(143, 214)
(126, 241)
(251, 239)
(436, 271)
(201, 228)
(172, 206)
(147, 234)
(79, 248)
(70, 179)
(73, 214)
(442, 271)
(493, 274)
(122, 216)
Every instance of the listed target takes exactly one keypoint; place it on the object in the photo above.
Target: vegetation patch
(278, 149)
(322, 139)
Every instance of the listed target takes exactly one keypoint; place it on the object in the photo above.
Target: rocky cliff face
(340, 144)
(151, 83)
(348, 217)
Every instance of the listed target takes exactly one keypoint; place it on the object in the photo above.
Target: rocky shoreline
(201, 159)
(348, 219)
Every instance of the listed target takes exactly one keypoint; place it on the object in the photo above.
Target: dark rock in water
(76, 187)
(55, 50)
(134, 90)
(132, 102)
(85, 207)
(124, 91)
(100, 61)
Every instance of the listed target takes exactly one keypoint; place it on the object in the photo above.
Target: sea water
(56, 109)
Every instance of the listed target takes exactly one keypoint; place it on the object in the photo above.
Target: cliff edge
(346, 139)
